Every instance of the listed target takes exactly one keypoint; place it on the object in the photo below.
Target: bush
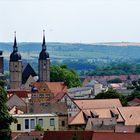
(38, 127)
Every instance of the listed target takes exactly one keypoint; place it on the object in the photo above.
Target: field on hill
(81, 57)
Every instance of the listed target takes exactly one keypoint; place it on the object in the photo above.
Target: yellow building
(43, 92)
(27, 122)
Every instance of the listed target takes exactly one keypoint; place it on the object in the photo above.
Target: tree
(62, 74)
(137, 129)
(135, 94)
(111, 94)
(38, 127)
(116, 80)
(5, 118)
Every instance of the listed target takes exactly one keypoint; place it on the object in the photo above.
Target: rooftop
(98, 103)
(54, 87)
(78, 89)
(131, 115)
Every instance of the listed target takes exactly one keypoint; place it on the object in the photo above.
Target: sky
(83, 21)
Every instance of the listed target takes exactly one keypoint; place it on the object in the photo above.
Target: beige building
(27, 122)
(43, 92)
(98, 88)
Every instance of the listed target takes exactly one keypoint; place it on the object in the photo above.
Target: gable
(29, 81)
(15, 101)
(27, 72)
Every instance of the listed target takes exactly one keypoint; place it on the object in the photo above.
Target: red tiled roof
(89, 135)
(19, 93)
(131, 115)
(115, 136)
(32, 133)
(67, 135)
(58, 97)
(78, 119)
(57, 87)
(54, 87)
(98, 103)
(106, 78)
(134, 102)
(36, 133)
(103, 130)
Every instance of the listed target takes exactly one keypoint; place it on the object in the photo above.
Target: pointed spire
(44, 42)
(15, 49)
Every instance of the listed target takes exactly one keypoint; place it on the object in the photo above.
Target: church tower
(15, 67)
(44, 63)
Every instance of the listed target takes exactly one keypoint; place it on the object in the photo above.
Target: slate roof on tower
(27, 71)
(43, 54)
(15, 55)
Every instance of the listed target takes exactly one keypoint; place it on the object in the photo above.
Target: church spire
(15, 49)
(44, 42)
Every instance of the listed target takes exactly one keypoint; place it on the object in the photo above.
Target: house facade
(27, 122)
(72, 108)
(43, 92)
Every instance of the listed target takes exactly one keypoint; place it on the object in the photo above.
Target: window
(26, 123)
(32, 124)
(40, 121)
(63, 123)
(52, 122)
(69, 114)
(18, 126)
(41, 95)
(47, 95)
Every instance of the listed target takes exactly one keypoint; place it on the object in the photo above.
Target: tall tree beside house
(63, 74)
(5, 118)
(112, 94)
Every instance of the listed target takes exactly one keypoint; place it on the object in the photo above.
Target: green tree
(5, 118)
(111, 94)
(116, 80)
(137, 129)
(38, 127)
(135, 94)
(62, 74)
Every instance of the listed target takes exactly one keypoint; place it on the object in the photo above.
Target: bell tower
(44, 63)
(15, 67)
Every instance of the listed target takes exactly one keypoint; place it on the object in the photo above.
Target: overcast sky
(86, 21)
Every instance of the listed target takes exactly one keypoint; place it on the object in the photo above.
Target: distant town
(54, 102)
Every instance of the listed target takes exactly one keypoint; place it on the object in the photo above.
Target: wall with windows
(72, 108)
(28, 123)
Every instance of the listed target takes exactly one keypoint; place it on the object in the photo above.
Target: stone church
(19, 75)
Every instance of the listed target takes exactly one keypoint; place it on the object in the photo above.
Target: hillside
(76, 55)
